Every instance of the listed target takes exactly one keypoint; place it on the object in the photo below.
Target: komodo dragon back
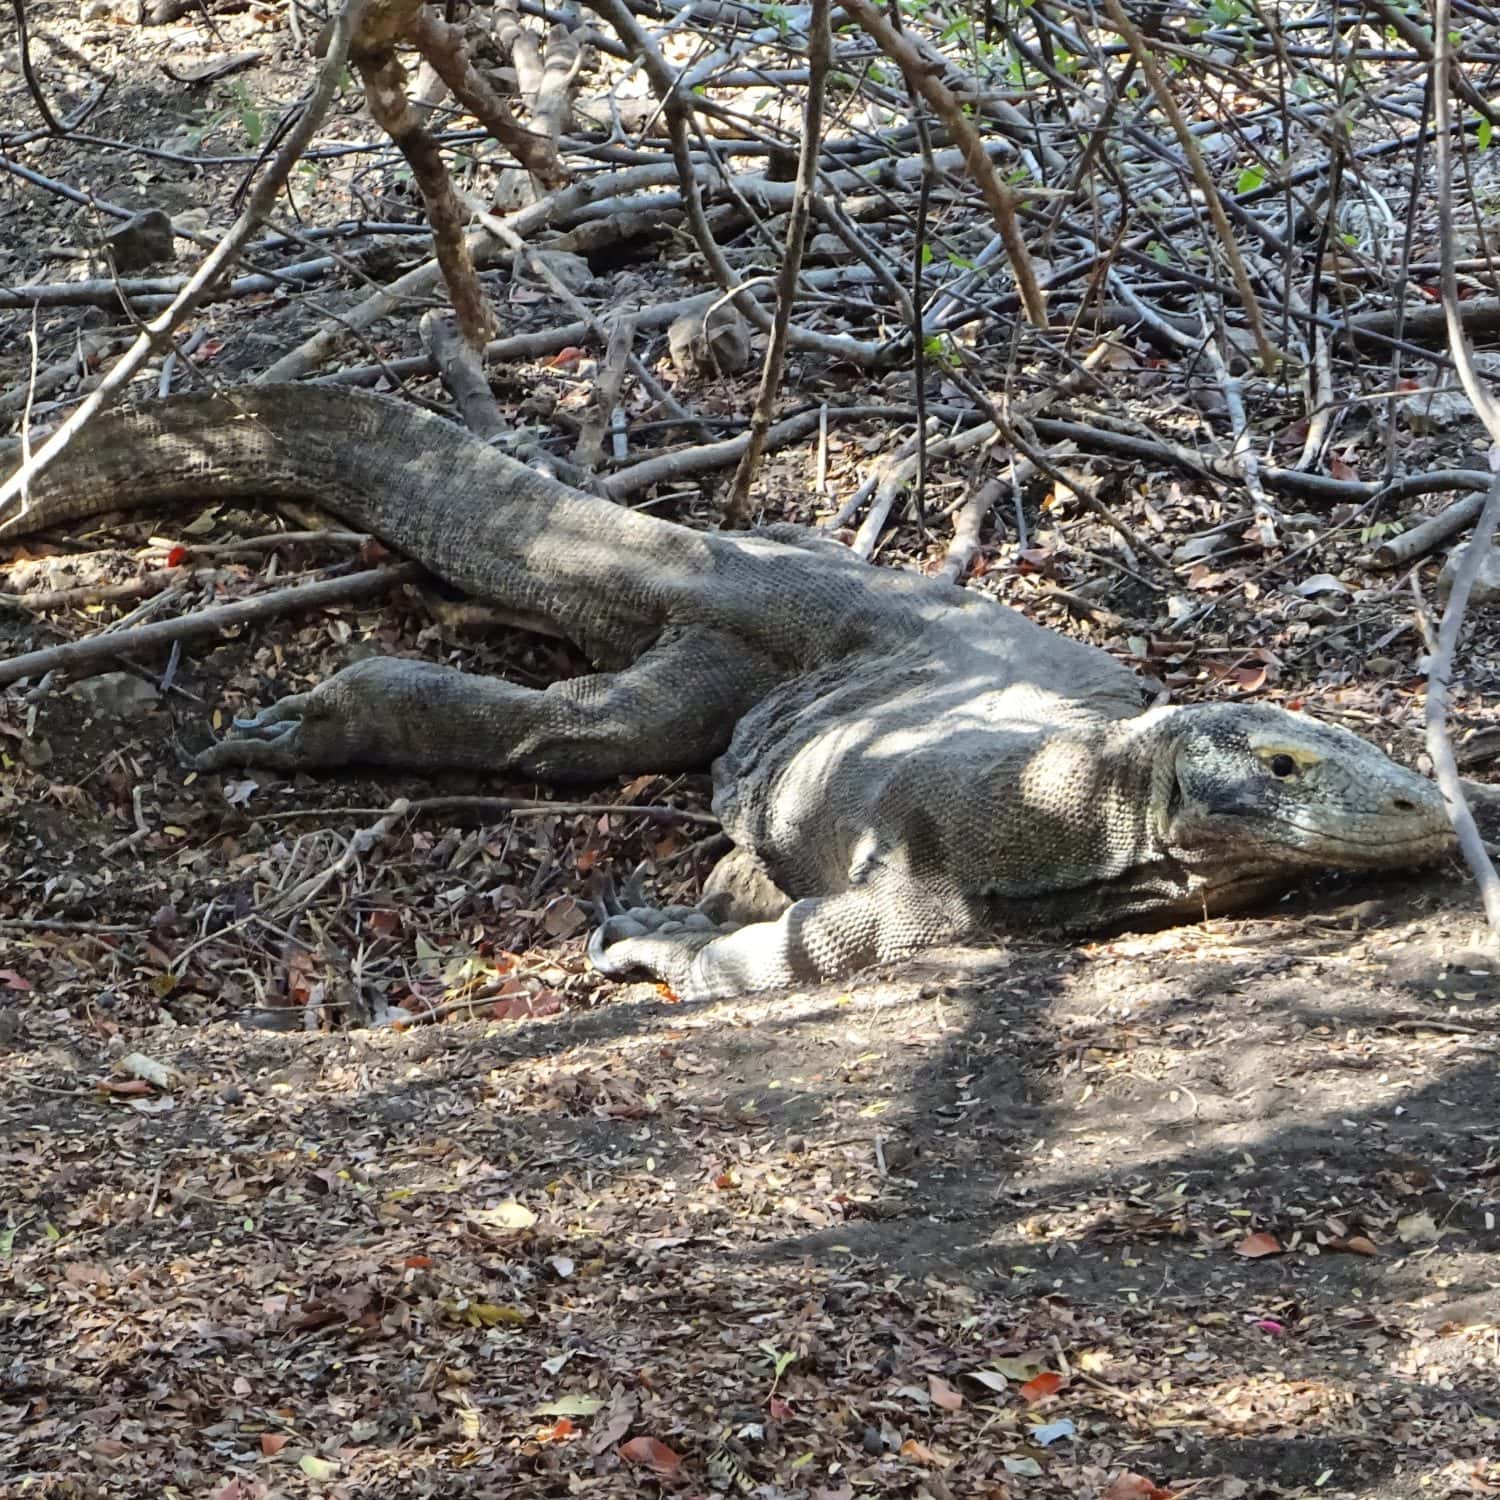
(898, 762)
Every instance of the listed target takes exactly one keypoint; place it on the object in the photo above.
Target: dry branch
(922, 74)
(98, 649)
(442, 44)
(384, 78)
(819, 51)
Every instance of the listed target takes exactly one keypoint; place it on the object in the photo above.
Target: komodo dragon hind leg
(672, 709)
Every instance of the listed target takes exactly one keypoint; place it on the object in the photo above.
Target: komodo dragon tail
(478, 519)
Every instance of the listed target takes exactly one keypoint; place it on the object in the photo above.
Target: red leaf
(1129, 1486)
(271, 1443)
(124, 1088)
(1039, 1387)
(565, 359)
(650, 1454)
(920, 1453)
(417, 1262)
(1340, 470)
(1356, 1244)
(562, 1428)
(176, 555)
(13, 981)
(780, 1411)
(943, 1394)
(1253, 1246)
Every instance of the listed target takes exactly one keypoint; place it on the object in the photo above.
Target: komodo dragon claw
(662, 942)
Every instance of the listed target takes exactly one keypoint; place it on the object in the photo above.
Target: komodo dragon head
(1243, 793)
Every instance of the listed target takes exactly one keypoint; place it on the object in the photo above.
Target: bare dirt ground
(327, 1169)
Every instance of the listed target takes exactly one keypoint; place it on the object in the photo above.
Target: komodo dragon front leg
(818, 938)
(672, 709)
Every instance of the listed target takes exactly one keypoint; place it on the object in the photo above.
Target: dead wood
(442, 44)
(922, 74)
(819, 50)
(459, 363)
(99, 650)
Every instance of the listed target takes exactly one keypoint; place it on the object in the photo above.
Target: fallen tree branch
(325, 592)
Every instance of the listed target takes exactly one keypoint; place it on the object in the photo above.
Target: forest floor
(327, 1168)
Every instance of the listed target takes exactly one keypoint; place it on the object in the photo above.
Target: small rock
(116, 695)
(572, 270)
(1486, 588)
(35, 753)
(141, 241)
(825, 247)
(723, 349)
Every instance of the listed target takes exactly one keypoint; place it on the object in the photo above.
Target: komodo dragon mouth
(1025, 772)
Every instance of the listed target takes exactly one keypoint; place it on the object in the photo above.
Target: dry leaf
(943, 1394)
(138, 1065)
(648, 1453)
(1130, 1486)
(507, 1215)
(920, 1453)
(1253, 1246)
(271, 1443)
(1417, 1229)
(1039, 1387)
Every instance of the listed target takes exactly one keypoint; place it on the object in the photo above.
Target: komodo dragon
(908, 762)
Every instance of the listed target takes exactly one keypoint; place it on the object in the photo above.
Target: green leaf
(1250, 179)
(926, 254)
(1486, 130)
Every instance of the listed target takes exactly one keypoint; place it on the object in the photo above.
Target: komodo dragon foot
(659, 942)
(293, 733)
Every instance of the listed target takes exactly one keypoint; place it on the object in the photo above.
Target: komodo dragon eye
(1283, 766)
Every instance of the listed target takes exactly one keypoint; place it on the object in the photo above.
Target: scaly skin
(899, 762)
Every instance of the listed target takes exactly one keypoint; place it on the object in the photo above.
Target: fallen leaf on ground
(507, 1215)
(943, 1394)
(1039, 1387)
(575, 1404)
(651, 1454)
(1130, 1486)
(920, 1453)
(1417, 1229)
(1253, 1246)
(1044, 1437)
(1355, 1244)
